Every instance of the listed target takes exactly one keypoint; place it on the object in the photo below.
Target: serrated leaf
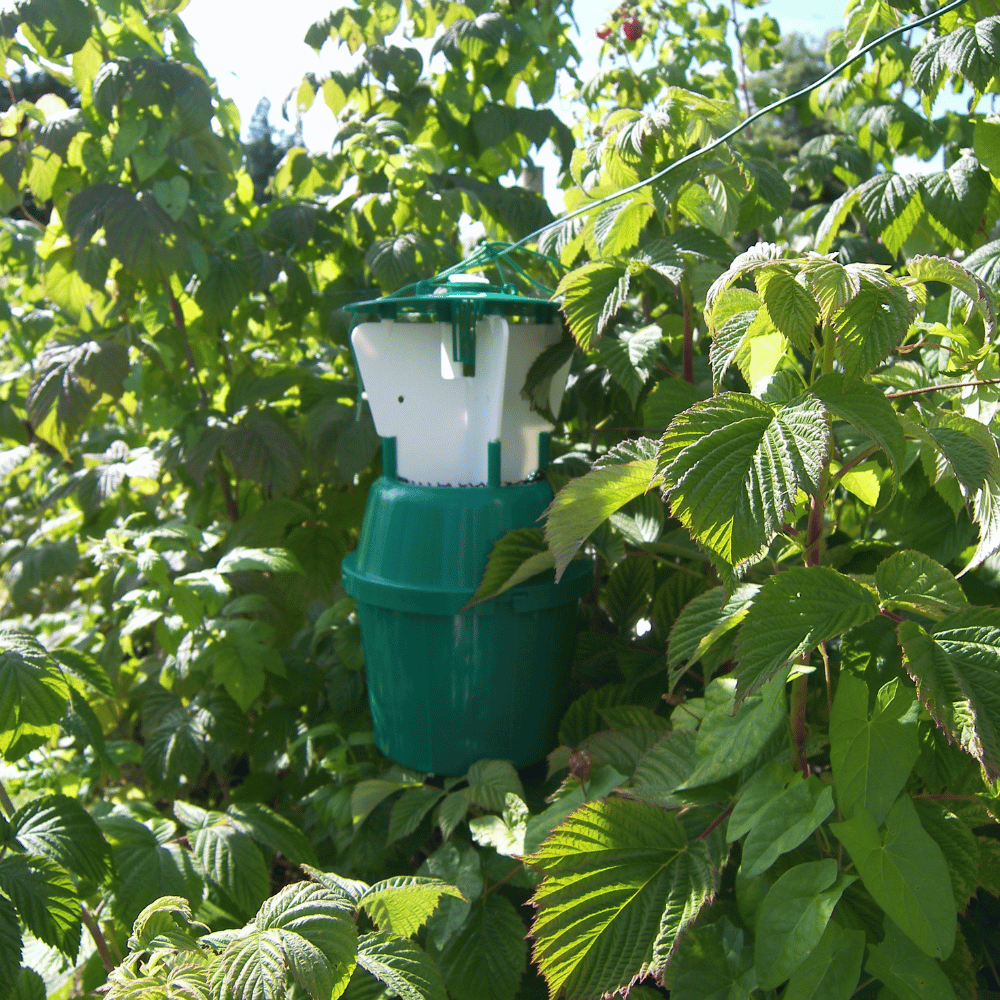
(956, 667)
(727, 342)
(956, 199)
(794, 916)
(794, 612)
(403, 904)
(516, 556)
(866, 408)
(264, 560)
(967, 283)
(666, 399)
(366, 795)
(33, 695)
(174, 748)
(30, 986)
(592, 296)
(905, 873)
(733, 465)
(234, 863)
(147, 868)
(45, 898)
(489, 783)
(85, 666)
(663, 769)
(486, 960)
(916, 582)
(871, 757)
(630, 356)
(704, 621)
(59, 828)
(583, 503)
(836, 216)
(871, 326)
(626, 594)
(791, 306)
(402, 966)
(733, 732)
(623, 882)
(892, 207)
(409, 809)
(10, 946)
(272, 830)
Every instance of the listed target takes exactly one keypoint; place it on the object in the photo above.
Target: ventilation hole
(401, 399)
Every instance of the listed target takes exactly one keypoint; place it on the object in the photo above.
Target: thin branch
(90, 922)
(718, 821)
(227, 490)
(939, 388)
(857, 460)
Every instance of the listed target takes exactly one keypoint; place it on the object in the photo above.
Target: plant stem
(5, 803)
(178, 314)
(829, 685)
(941, 388)
(227, 491)
(857, 460)
(718, 821)
(829, 341)
(90, 922)
(688, 332)
(800, 690)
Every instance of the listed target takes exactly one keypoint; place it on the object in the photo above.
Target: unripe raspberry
(632, 29)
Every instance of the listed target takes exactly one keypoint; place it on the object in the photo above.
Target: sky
(252, 57)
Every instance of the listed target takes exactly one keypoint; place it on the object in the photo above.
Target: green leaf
(517, 556)
(793, 917)
(892, 207)
(872, 758)
(84, 666)
(592, 296)
(867, 409)
(409, 809)
(768, 198)
(661, 771)
(836, 216)
(233, 862)
(713, 963)
(266, 560)
(970, 286)
(487, 959)
(956, 199)
(174, 748)
(59, 828)
(915, 582)
(958, 846)
(727, 342)
(666, 399)
(784, 823)
(623, 882)
(732, 467)
(273, 831)
(10, 946)
(403, 904)
(704, 621)
(30, 986)
(240, 671)
(33, 694)
(458, 864)
(731, 737)
(832, 969)
(45, 898)
(147, 868)
(583, 503)
(794, 612)
(792, 308)
(956, 667)
(871, 326)
(906, 970)
(402, 966)
(366, 795)
(489, 783)
(905, 873)
(626, 594)
(630, 356)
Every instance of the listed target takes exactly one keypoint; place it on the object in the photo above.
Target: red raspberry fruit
(603, 34)
(632, 29)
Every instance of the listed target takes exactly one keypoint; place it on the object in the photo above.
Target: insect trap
(463, 457)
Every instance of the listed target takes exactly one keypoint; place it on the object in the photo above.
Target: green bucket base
(449, 687)
(454, 690)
